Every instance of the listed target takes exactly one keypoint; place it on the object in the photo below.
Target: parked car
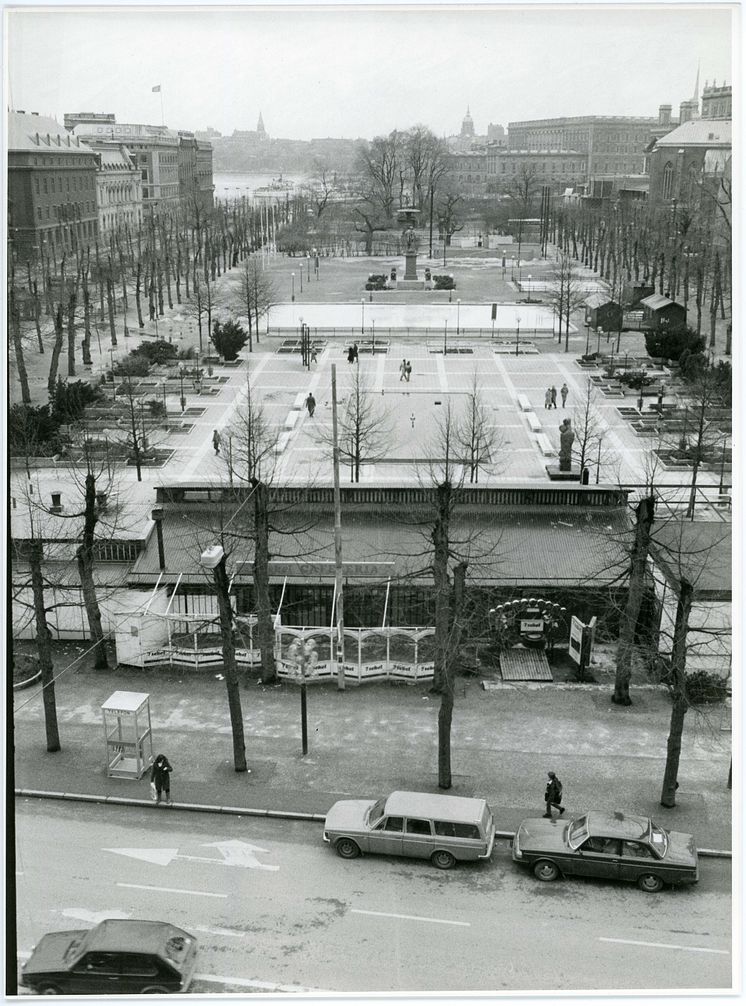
(443, 829)
(614, 846)
(116, 957)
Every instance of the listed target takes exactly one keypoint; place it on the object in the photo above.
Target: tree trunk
(59, 332)
(445, 713)
(71, 334)
(15, 327)
(229, 665)
(680, 703)
(37, 315)
(110, 309)
(85, 570)
(44, 648)
(264, 627)
(138, 294)
(440, 539)
(645, 518)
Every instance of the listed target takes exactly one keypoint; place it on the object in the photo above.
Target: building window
(668, 180)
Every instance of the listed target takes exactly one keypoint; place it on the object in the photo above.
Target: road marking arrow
(234, 853)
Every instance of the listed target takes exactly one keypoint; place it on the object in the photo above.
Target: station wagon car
(443, 829)
(613, 846)
(116, 957)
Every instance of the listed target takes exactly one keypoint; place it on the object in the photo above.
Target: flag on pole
(156, 88)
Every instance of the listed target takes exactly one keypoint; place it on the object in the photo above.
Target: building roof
(656, 301)
(600, 300)
(113, 155)
(38, 133)
(699, 551)
(699, 133)
(557, 548)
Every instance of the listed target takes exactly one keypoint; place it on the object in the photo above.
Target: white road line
(664, 946)
(172, 890)
(413, 918)
(219, 932)
(250, 983)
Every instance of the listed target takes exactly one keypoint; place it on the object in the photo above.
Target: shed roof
(600, 300)
(656, 301)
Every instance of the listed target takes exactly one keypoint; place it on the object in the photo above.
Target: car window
(416, 826)
(139, 964)
(609, 846)
(390, 824)
(98, 963)
(455, 829)
(376, 811)
(636, 850)
(577, 832)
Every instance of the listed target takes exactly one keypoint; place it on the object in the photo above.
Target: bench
(545, 445)
(534, 423)
(292, 419)
(300, 401)
(282, 442)
(523, 403)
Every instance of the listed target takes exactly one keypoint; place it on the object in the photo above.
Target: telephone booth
(129, 741)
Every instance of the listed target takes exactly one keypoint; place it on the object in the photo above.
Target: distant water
(234, 184)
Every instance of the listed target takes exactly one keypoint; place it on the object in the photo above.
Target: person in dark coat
(553, 794)
(311, 404)
(160, 778)
(553, 393)
(564, 391)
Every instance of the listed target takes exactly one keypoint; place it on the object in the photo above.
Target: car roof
(449, 808)
(617, 825)
(131, 935)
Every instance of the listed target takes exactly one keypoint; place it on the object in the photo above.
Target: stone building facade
(52, 202)
(118, 188)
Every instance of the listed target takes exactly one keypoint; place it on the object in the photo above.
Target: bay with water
(234, 184)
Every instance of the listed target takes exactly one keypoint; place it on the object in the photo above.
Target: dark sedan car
(116, 957)
(613, 846)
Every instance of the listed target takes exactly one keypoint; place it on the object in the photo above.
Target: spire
(695, 96)
(260, 125)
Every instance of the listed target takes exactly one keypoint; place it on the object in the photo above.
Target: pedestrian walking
(408, 371)
(160, 781)
(350, 354)
(553, 393)
(661, 393)
(553, 794)
(354, 352)
(314, 355)
(216, 441)
(403, 370)
(311, 404)
(548, 399)
(564, 391)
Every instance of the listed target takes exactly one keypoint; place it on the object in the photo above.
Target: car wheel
(154, 990)
(649, 882)
(546, 870)
(443, 859)
(347, 849)
(50, 990)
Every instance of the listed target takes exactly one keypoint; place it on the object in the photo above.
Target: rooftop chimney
(664, 115)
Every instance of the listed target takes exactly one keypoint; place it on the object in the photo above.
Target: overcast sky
(360, 72)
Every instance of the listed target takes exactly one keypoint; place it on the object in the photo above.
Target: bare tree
(365, 427)
(566, 292)
(640, 550)
(478, 438)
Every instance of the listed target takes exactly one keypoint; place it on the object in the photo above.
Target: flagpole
(163, 117)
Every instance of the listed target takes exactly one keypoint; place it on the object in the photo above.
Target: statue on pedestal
(567, 438)
(410, 240)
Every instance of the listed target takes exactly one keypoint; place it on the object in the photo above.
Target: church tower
(467, 126)
(260, 128)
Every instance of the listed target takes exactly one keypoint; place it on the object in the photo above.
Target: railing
(354, 333)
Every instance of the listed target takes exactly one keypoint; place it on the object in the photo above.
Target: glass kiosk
(129, 741)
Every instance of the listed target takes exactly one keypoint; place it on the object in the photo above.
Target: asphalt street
(275, 910)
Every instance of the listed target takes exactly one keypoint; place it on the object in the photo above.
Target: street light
(598, 344)
(517, 332)
(308, 268)
(301, 278)
(503, 263)
(445, 338)
(165, 410)
(292, 287)
(304, 656)
(181, 381)
(587, 337)
(458, 317)
(362, 315)
(598, 459)
(529, 288)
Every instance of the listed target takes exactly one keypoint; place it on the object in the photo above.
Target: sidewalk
(370, 740)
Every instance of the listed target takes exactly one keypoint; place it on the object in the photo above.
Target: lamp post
(301, 278)
(722, 466)
(598, 457)
(458, 317)
(308, 268)
(181, 381)
(165, 409)
(529, 288)
(304, 656)
(445, 338)
(598, 344)
(373, 348)
(292, 287)
(362, 315)
(517, 332)
(587, 337)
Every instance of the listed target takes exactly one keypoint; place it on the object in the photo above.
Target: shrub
(34, 430)
(156, 408)
(157, 352)
(444, 282)
(670, 343)
(376, 282)
(70, 398)
(132, 366)
(190, 353)
(636, 379)
(228, 339)
(704, 686)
